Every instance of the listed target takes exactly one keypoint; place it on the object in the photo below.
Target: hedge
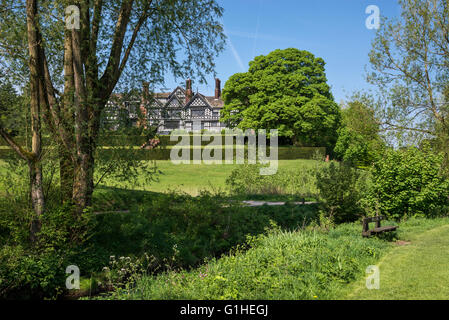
(114, 140)
(284, 153)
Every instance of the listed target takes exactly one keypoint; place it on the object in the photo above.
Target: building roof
(167, 97)
(216, 103)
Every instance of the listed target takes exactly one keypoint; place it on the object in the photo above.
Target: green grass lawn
(415, 270)
(192, 178)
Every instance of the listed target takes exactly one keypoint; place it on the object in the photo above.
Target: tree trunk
(34, 159)
(66, 174)
(37, 197)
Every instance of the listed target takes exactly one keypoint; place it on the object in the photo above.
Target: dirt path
(252, 203)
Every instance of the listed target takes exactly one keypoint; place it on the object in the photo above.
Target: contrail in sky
(234, 52)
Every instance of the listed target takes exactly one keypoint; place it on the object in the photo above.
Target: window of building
(198, 113)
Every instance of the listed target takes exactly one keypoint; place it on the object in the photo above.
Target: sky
(334, 30)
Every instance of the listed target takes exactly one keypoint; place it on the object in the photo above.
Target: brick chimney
(146, 91)
(217, 88)
(144, 101)
(189, 92)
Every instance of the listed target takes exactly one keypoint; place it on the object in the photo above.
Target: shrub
(409, 182)
(337, 186)
(38, 270)
(246, 180)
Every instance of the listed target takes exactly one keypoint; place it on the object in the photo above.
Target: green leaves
(285, 90)
(359, 142)
(408, 183)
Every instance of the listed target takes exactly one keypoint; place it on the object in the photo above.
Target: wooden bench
(366, 232)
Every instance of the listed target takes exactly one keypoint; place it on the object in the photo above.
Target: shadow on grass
(179, 228)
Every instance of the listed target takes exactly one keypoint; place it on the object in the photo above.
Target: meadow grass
(301, 265)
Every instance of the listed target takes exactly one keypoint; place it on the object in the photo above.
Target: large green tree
(284, 90)
(72, 69)
(359, 140)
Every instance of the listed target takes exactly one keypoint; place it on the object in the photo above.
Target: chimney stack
(146, 91)
(189, 92)
(217, 88)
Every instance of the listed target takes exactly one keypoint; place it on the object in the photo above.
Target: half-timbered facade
(183, 110)
(177, 110)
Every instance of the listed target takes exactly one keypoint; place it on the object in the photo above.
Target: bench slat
(383, 229)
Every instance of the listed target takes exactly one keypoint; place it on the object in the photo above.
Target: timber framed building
(177, 110)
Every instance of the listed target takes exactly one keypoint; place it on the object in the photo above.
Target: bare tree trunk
(34, 161)
(66, 175)
(83, 177)
(37, 197)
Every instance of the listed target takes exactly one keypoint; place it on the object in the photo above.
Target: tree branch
(112, 67)
(25, 155)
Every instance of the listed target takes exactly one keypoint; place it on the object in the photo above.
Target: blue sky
(331, 29)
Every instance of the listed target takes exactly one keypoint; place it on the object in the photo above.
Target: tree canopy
(284, 90)
(409, 62)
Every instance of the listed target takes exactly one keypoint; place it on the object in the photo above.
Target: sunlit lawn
(417, 270)
(192, 178)
(189, 178)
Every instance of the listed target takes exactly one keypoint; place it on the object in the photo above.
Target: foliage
(338, 190)
(359, 142)
(285, 90)
(12, 114)
(38, 271)
(409, 182)
(122, 161)
(409, 61)
(297, 265)
(123, 272)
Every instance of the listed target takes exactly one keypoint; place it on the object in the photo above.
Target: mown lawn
(192, 178)
(188, 178)
(417, 269)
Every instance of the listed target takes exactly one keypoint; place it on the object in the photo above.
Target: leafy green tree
(340, 197)
(284, 90)
(409, 62)
(73, 70)
(359, 141)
